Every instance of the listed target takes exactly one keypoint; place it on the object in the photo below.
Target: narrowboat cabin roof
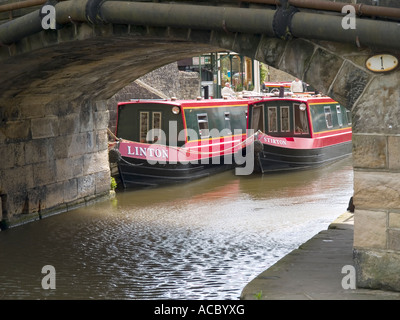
(188, 103)
(306, 97)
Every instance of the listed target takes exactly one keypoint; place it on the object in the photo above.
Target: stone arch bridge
(57, 72)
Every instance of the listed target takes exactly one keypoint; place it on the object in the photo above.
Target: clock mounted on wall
(382, 63)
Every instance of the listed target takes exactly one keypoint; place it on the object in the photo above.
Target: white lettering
(171, 310)
(221, 309)
(142, 151)
(274, 141)
(201, 309)
(129, 151)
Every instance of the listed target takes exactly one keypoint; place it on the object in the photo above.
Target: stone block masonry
(51, 161)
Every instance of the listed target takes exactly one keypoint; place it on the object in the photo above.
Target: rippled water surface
(203, 240)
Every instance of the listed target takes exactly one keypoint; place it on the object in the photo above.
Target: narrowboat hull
(135, 173)
(144, 165)
(276, 159)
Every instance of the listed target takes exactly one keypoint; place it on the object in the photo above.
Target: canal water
(203, 240)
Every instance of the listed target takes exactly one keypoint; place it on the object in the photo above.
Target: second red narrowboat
(299, 132)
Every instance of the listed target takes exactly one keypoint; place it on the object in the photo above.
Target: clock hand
(382, 63)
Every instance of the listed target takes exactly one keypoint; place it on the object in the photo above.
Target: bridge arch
(53, 137)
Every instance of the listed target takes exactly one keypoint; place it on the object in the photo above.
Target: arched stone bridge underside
(54, 83)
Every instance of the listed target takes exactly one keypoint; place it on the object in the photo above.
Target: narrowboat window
(144, 125)
(272, 119)
(348, 114)
(156, 120)
(202, 120)
(285, 126)
(258, 118)
(157, 126)
(227, 116)
(328, 117)
(339, 115)
(300, 119)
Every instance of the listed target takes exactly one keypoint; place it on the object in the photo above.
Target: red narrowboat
(166, 141)
(299, 132)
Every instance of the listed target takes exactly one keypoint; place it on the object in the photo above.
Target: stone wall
(376, 154)
(276, 75)
(53, 158)
(374, 99)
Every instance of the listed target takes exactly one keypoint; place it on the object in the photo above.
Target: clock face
(382, 63)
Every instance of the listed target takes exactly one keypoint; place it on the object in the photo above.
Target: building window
(272, 119)
(144, 125)
(285, 125)
(258, 118)
(202, 120)
(156, 120)
(328, 117)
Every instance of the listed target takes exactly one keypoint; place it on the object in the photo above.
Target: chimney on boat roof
(281, 92)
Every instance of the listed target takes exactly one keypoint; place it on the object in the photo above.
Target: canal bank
(314, 270)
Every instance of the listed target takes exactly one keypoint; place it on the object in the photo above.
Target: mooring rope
(112, 135)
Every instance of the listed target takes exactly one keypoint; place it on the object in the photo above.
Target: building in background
(217, 68)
